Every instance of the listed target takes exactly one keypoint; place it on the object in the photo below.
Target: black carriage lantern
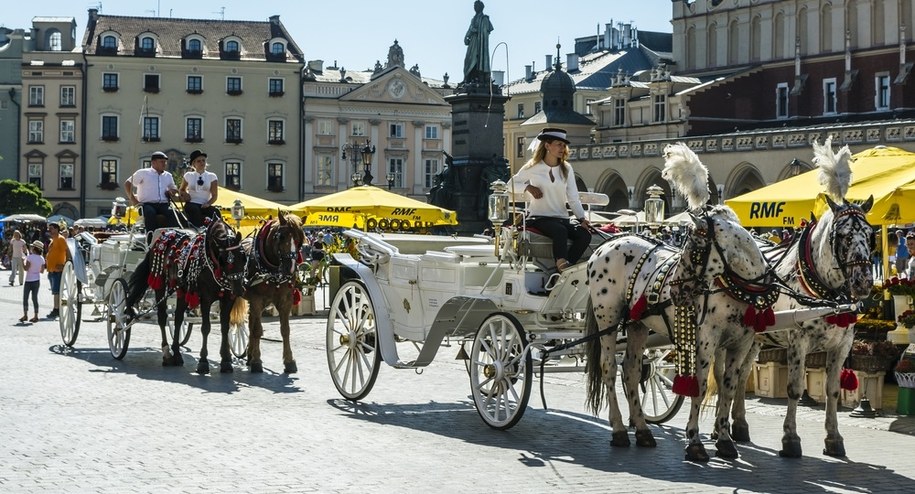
(390, 178)
(238, 212)
(367, 152)
(654, 206)
(498, 208)
(119, 208)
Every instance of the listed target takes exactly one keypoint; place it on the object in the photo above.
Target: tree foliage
(17, 197)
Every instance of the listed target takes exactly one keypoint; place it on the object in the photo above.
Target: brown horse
(273, 256)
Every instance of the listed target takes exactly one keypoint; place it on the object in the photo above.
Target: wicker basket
(869, 363)
(777, 355)
(905, 379)
(815, 360)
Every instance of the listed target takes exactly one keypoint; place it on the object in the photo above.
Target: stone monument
(477, 111)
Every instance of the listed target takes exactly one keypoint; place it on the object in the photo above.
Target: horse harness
(263, 270)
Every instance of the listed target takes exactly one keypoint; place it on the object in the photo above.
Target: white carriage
(414, 294)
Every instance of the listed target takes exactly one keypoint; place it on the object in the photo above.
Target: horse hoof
(740, 433)
(203, 367)
(169, 362)
(790, 449)
(834, 448)
(179, 360)
(644, 439)
(696, 452)
(620, 439)
(226, 368)
(726, 449)
(257, 368)
(291, 368)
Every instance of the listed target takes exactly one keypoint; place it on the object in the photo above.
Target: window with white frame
(147, 44)
(358, 129)
(431, 131)
(588, 103)
(396, 130)
(660, 107)
(36, 131)
(275, 132)
(233, 175)
(324, 172)
(232, 46)
(36, 95)
(193, 129)
(233, 130)
(54, 41)
(781, 100)
(233, 85)
(520, 145)
(67, 131)
(109, 127)
(430, 169)
(619, 112)
(109, 173)
(151, 129)
(151, 83)
(829, 96)
(395, 166)
(67, 96)
(65, 172)
(882, 96)
(194, 46)
(538, 105)
(109, 42)
(325, 127)
(520, 110)
(277, 48)
(109, 82)
(35, 168)
(275, 177)
(195, 84)
(275, 86)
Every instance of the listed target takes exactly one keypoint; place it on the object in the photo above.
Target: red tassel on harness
(842, 320)
(769, 316)
(686, 385)
(192, 299)
(154, 282)
(749, 316)
(848, 380)
(298, 257)
(637, 310)
(296, 296)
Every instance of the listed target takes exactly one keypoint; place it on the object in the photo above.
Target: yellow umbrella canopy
(884, 172)
(378, 208)
(255, 207)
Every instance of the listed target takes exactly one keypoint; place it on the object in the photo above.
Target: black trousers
(560, 231)
(196, 213)
(151, 209)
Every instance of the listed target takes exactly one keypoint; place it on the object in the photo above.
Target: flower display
(900, 286)
(907, 319)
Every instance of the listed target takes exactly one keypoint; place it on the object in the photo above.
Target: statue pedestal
(477, 149)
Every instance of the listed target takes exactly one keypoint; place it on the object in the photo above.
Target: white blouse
(556, 192)
(200, 194)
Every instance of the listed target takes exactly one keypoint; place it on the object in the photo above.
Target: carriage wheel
(71, 308)
(118, 331)
(238, 339)
(659, 402)
(500, 371)
(353, 352)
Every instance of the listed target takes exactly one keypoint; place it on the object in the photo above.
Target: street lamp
(365, 151)
(238, 212)
(390, 178)
(795, 167)
(654, 206)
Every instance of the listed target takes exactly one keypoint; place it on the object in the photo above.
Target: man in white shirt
(155, 187)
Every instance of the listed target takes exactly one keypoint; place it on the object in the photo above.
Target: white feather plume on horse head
(684, 171)
(835, 168)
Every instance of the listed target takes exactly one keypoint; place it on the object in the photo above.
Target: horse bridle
(212, 261)
(839, 250)
(262, 265)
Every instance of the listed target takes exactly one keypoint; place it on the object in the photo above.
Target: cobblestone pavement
(79, 421)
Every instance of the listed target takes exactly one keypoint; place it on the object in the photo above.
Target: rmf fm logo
(770, 210)
(403, 212)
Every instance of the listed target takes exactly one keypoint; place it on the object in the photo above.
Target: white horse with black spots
(830, 260)
(638, 284)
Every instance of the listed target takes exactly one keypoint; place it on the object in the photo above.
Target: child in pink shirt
(34, 266)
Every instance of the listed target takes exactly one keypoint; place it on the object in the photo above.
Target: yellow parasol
(379, 208)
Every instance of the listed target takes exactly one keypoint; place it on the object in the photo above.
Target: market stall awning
(887, 173)
(256, 208)
(376, 206)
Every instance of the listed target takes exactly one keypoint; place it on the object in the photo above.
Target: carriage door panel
(403, 298)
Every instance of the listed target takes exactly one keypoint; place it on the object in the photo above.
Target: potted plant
(905, 373)
(907, 318)
(872, 356)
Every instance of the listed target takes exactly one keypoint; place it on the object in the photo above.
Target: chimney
(527, 73)
(316, 66)
(571, 62)
(627, 35)
(549, 62)
(274, 19)
(608, 32)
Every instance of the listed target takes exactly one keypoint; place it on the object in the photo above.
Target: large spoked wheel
(500, 371)
(659, 402)
(353, 354)
(238, 339)
(71, 308)
(118, 330)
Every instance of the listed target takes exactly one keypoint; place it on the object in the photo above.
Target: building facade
(11, 46)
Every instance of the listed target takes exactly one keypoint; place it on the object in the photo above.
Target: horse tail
(711, 386)
(138, 283)
(592, 367)
(239, 311)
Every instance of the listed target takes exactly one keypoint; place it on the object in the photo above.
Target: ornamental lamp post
(654, 206)
(355, 152)
(498, 209)
(367, 151)
(390, 178)
(238, 212)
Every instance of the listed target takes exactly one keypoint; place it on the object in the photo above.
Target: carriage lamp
(119, 208)
(367, 151)
(238, 212)
(654, 206)
(498, 209)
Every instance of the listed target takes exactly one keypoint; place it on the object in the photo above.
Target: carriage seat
(539, 248)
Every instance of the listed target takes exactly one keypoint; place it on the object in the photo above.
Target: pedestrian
(549, 179)
(910, 246)
(57, 256)
(902, 253)
(34, 266)
(199, 190)
(155, 188)
(877, 256)
(18, 251)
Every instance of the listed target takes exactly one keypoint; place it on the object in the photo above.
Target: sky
(356, 33)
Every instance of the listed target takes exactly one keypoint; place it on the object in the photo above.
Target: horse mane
(723, 211)
(684, 170)
(835, 168)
